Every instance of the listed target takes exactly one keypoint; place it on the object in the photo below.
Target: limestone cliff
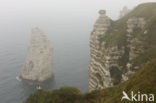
(39, 64)
(116, 46)
(99, 77)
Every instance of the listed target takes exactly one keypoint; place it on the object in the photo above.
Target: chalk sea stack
(39, 62)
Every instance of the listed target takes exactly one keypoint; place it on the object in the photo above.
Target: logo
(125, 96)
(137, 97)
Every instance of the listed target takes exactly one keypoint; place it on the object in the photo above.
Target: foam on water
(18, 78)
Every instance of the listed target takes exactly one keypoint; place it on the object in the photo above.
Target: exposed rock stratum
(119, 48)
(39, 62)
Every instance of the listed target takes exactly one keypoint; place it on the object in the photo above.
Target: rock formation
(99, 76)
(124, 11)
(134, 45)
(39, 64)
(111, 63)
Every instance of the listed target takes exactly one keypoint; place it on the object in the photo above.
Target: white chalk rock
(39, 62)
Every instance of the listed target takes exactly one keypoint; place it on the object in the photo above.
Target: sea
(70, 39)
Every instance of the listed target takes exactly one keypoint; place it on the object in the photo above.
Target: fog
(67, 23)
(58, 12)
(63, 8)
(57, 17)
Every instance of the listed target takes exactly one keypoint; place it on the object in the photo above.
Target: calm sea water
(71, 55)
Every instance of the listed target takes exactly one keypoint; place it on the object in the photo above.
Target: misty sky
(61, 19)
(63, 7)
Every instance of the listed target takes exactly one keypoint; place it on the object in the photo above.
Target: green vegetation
(62, 95)
(148, 55)
(116, 34)
(144, 81)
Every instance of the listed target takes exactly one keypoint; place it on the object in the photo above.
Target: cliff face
(99, 76)
(115, 45)
(38, 65)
